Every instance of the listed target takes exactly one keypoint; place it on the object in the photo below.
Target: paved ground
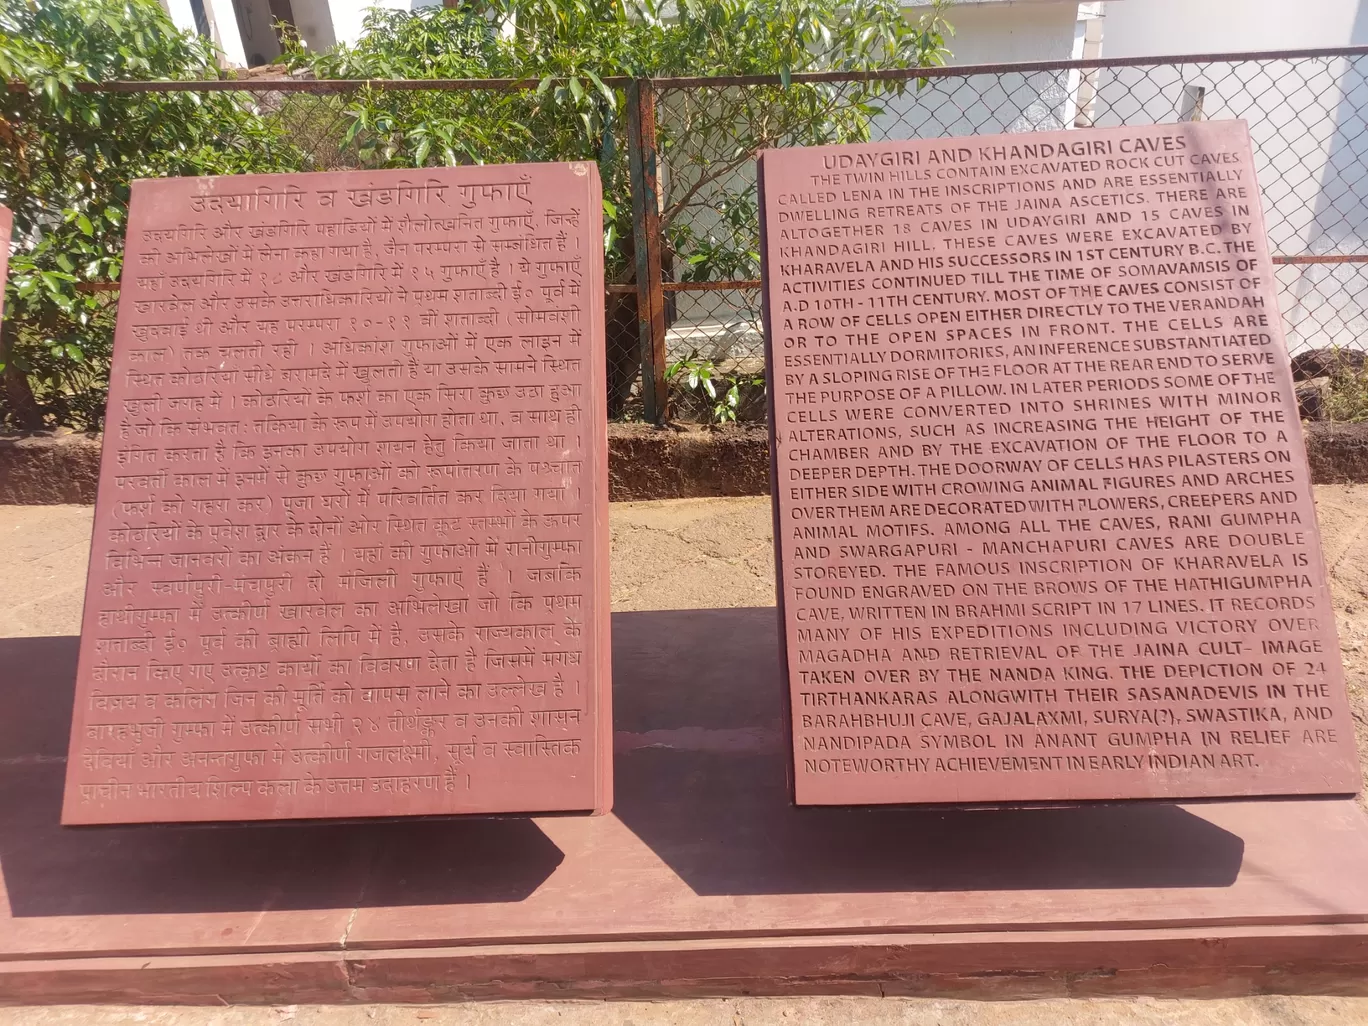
(1272, 1011)
(693, 553)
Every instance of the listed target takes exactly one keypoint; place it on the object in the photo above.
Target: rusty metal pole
(641, 140)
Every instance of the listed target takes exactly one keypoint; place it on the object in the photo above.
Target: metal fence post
(641, 141)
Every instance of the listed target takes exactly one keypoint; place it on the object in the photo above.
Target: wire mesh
(1304, 112)
(1305, 118)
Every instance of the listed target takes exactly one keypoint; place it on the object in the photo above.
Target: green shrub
(68, 159)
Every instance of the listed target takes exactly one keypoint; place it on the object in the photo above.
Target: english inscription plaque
(1043, 518)
(350, 549)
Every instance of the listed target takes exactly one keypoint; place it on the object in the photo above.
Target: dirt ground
(1343, 514)
(675, 554)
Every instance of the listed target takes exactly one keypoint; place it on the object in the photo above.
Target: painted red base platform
(703, 881)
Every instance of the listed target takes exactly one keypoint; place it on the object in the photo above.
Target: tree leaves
(71, 157)
(569, 47)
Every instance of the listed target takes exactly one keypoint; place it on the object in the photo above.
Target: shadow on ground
(50, 870)
(700, 779)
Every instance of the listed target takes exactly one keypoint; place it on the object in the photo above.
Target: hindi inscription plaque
(350, 547)
(1043, 519)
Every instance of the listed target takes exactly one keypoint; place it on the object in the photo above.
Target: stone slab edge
(643, 463)
(1206, 962)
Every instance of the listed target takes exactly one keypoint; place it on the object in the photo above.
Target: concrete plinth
(703, 881)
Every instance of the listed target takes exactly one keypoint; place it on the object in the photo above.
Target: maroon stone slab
(350, 547)
(1043, 516)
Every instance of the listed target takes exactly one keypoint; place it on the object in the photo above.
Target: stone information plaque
(350, 549)
(1043, 519)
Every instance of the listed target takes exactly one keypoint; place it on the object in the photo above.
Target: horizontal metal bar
(306, 85)
(694, 286)
(296, 85)
(612, 288)
(711, 286)
(742, 284)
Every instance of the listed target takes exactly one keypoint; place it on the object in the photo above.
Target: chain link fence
(683, 260)
(1305, 113)
(303, 125)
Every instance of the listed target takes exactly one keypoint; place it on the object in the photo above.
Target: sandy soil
(1343, 513)
(676, 554)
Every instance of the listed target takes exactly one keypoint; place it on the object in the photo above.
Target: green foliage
(729, 248)
(67, 157)
(569, 47)
(569, 115)
(710, 137)
(1345, 399)
(723, 389)
(68, 160)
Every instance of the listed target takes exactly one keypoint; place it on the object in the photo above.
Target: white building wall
(349, 16)
(1152, 28)
(313, 20)
(1003, 32)
(1305, 117)
(223, 26)
(995, 33)
(321, 23)
(226, 33)
(256, 22)
(180, 13)
(1006, 32)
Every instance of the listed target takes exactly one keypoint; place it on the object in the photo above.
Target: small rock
(1312, 397)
